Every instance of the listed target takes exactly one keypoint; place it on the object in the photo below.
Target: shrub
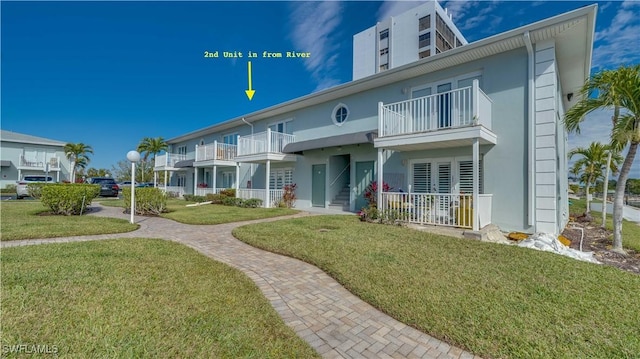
(233, 201)
(215, 198)
(288, 196)
(10, 188)
(229, 192)
(149, 200)
(371, 192)
(252, 203)
(194, 198)
(35, 189)
(68, 199)
(369, 214)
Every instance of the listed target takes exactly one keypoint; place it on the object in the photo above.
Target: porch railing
(452, 109)
(169, 159)
(38, 162)
(177, 191)
(264, 142)
(216, 151)
(275, 195)
(444, 209)
(206, 191)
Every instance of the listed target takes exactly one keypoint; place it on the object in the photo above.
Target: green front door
(364, 176)
(318, 185)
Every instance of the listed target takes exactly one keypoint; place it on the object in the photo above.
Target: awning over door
(333, 141)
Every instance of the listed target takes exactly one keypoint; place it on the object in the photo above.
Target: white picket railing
(40, 161)
(429, 208)
(177, 191)
(457, 108)
(169, 159)
(206, 191)
(216, 151)
(263, 142)
(275, 195)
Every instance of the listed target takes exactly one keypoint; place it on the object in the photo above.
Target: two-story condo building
(24, 155)
(466, 137)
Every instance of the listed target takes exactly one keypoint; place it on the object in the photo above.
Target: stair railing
(339, 174)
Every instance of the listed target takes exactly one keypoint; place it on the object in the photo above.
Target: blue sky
(110, 73)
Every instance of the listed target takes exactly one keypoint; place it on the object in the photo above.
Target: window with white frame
(282, 127)
(182, 180)
(228, 179)
(340, 114)
(230, 139)
(280, 177)
(182, 150)
(452, 175)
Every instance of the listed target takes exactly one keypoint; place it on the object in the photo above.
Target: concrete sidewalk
(332, 320)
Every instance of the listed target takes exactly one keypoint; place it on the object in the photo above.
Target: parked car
(125, 184)
(144, 184)
(108, 186)
(21, 186)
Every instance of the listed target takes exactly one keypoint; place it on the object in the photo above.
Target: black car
(108, 186)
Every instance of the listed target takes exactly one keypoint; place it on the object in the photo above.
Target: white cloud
(618, 42)
(314, 30)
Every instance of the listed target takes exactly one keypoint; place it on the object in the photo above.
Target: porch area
(269, 197)
(454, 210)
(449, 191)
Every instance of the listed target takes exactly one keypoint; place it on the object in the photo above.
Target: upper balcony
(168, 161)
(216, 154)
(448, 119)
(264, 146)
(38, 162)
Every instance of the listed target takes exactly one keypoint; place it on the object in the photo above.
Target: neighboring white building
(30, 155)
(421, 32)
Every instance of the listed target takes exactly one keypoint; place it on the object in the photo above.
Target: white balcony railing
(174, 191)
(263, 142)
(275, 195)
(206, 191)
(467, 106)
(435, 208)
(169, 159)
(40, 161)
(216, 151)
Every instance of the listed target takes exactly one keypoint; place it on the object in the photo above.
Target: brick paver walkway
(332, 320)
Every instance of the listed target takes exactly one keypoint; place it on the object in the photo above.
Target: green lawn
(630, 230)
(21, 220)
(137, 298)
(494, 300)
(211, 213)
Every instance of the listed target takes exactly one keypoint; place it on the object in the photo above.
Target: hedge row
(67, 199)
(149, 200)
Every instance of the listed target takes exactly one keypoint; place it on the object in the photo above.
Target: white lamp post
(134, 157)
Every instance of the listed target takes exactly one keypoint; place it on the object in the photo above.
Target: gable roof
(573, 32)
(8, 136)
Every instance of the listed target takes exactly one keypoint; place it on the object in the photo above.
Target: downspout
(531, 130)
(251, 170)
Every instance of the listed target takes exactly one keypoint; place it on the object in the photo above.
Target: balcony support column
(237, 177)
(195, 180)
(213, 180)
(476, 184)
(267, 196)
(215, 151)
(155, 179)
(58, 177)
(165, 181)
(380, 177)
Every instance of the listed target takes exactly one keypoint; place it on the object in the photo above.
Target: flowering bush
(289, 196)
(371, 192)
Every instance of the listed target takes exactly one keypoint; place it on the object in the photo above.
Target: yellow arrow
(250, 92)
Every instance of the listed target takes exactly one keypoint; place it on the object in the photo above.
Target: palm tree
(591, 165)
(620, 90)
(151, 146)
(78, 154)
